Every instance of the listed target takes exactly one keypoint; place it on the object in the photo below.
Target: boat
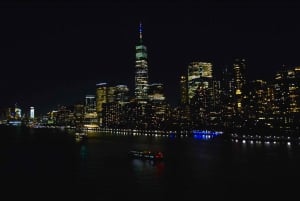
(146, 155)
(79, 134)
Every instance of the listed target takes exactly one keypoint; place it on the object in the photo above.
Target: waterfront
(51, 164)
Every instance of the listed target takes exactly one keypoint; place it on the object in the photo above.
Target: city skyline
(59, 58)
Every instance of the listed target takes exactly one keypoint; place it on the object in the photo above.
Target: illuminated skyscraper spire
(141, 32)
(141, 72)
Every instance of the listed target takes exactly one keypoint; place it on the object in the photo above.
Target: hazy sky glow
(57, 52)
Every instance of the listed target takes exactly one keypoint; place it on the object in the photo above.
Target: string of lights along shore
(229, 101)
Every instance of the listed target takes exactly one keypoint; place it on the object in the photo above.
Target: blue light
(205, 134)
(140, 28)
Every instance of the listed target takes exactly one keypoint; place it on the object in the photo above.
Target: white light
(32, 112)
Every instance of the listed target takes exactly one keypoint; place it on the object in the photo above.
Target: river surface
(52, 164)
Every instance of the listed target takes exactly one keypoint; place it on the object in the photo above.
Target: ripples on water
(41, 163)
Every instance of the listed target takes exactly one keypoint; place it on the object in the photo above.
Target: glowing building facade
(31, 113)
(122, 94)
(287, 97)
(18, 112)
(141, 72)
(239, 77)
(101, 98)
(156, 92)
(90, 115)
(183, 90)
(199, 77)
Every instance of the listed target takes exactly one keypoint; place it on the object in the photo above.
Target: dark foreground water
(51, 164)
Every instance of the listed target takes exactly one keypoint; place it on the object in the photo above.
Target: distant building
(18, 112)
(239, 78)
(122, 94)
(199, 75)
(200, 92)
(90, 104)
(79, 114)
(258, 102)
(286, 97)
(156, 92)
(183, 90)
(101, 98)
(90, 115)
(31, 115)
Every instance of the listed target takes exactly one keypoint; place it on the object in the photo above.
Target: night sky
(54, 52)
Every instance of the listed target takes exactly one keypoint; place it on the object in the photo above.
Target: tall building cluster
(233, 102)
(207, 101)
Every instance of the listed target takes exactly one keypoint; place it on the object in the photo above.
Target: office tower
(90, 104)
(31, 113)
(79, 114)
(156, 107)
(256, 107)
(296, 93)
(90, 115)
(111, 115)
(227, 97)
(200, 92)
(215, 111)
(63, 116)
(18, 112)
(183, 90)
(122, 94)
(239, 78)
(101, 98)
(286, 97)
(113, 110)
(111, 91)
(156, 92)
(199, 75)
(141, 71)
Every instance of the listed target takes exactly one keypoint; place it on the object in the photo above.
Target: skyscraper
(141, 73)
(183, 90)
(156, 92)
(90, 104)
(122, 94)
(239, 68)
(18, 112)
(31, 112)
(200, 92)
(199, 75)
(90, 115)
(101, 98)
(286, 97)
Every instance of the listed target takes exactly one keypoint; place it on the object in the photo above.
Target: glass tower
(31, 112)
(239, 67)
(199, 75)
(141, 73)
(101, 99)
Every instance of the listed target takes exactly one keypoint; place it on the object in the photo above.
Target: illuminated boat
(146, 155)
(80, 134)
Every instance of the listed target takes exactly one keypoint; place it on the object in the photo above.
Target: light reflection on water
(83, 152)
(190, 164)
(148, 167)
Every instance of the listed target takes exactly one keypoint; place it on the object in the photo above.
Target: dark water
(51, 164)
